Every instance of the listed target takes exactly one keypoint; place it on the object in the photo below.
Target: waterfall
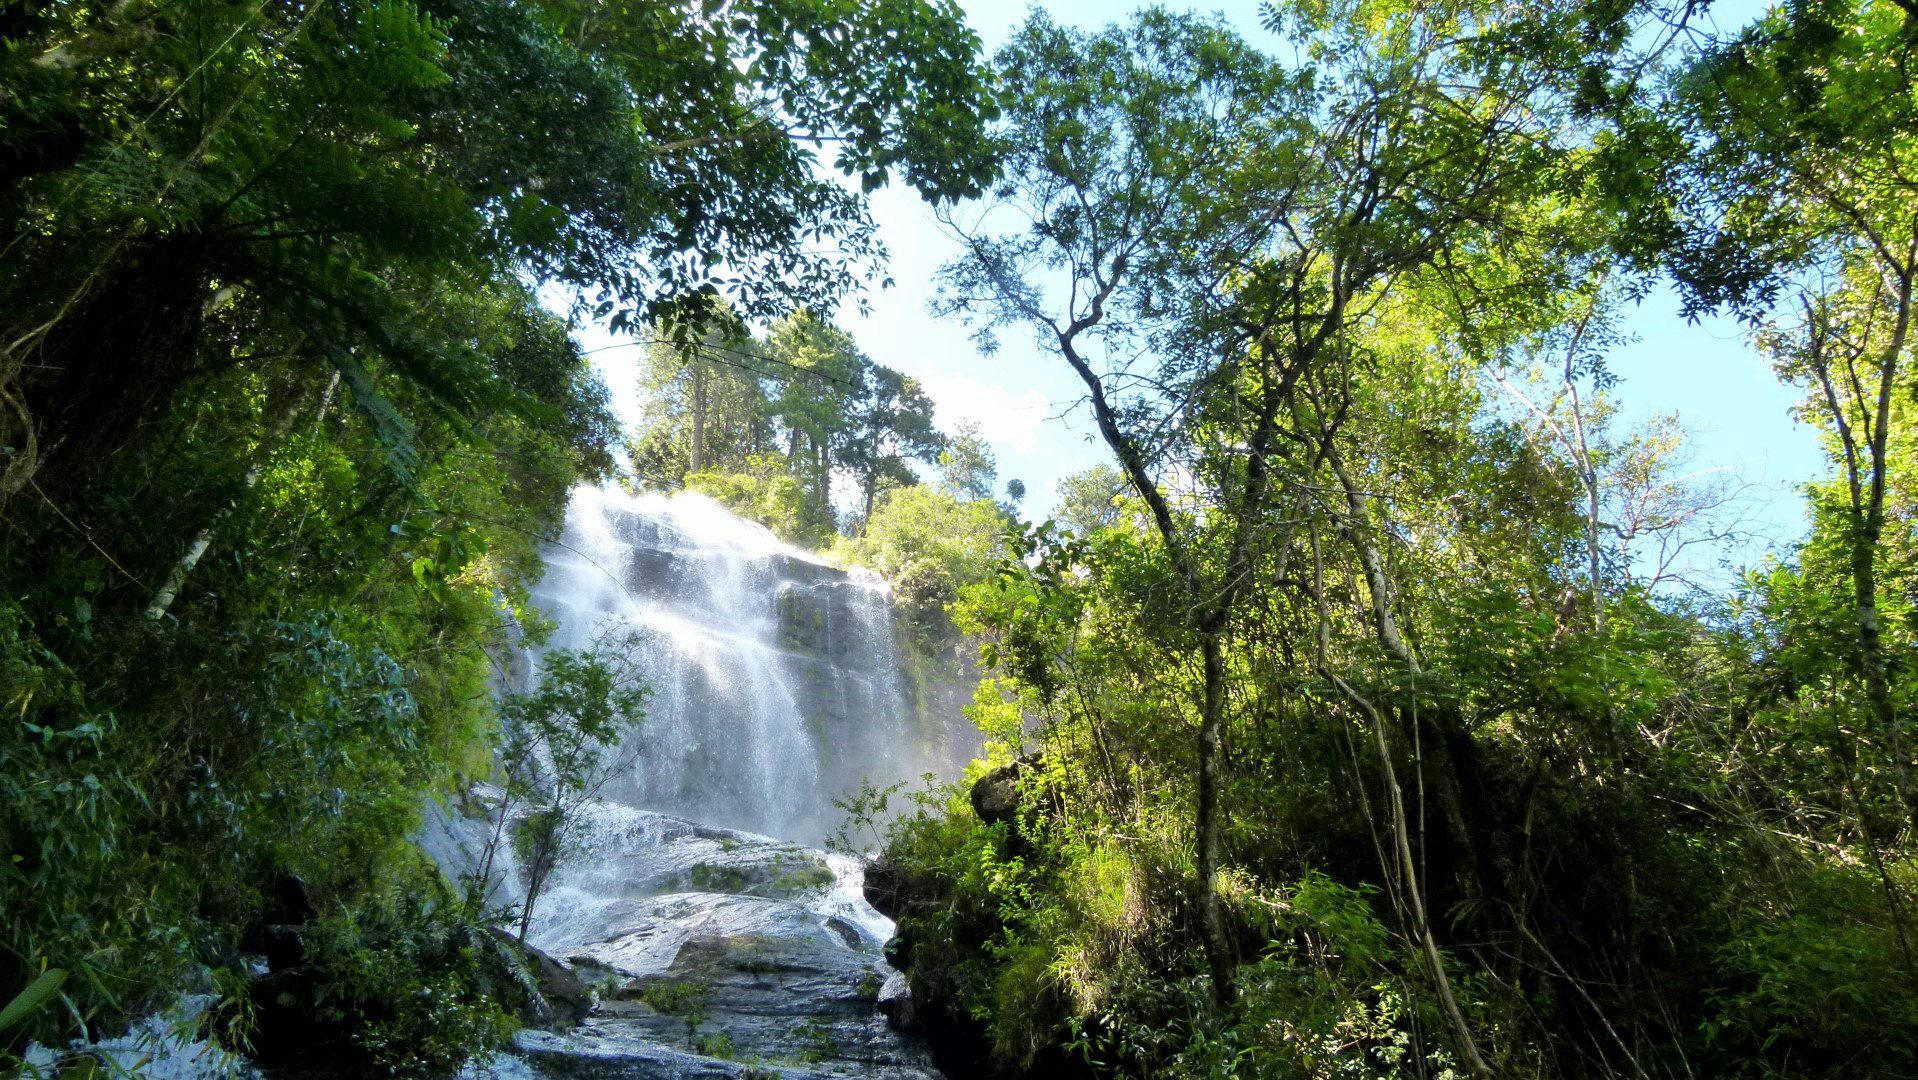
(776, 686)
(775, 678)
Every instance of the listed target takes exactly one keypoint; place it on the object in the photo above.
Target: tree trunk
(1379, 586)
(1866, 480)
(543, 852)
(196, 549)
(1218, 954)
(526, 911)
(1588, 475)
(1871, 647)
(824, 494)
(492, 845)
(1864, 554)
(1218, 948)
(697, 455)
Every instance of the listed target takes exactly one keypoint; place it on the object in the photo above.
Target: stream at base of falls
(714, 953)
(693, 898)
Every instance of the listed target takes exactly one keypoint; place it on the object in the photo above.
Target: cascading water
(775, 677)
(776, 687)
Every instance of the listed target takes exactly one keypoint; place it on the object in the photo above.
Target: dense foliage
(768, 425)
(1358, 723)
(284, 424)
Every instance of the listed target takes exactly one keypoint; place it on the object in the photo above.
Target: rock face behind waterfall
(776, 678)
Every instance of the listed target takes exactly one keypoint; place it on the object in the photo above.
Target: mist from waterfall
(776, 681)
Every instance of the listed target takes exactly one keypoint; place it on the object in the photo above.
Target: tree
(1801, 130)
(722, 404)
(929, 546)
(256, 139)
(1100, 168)
(891, 427)
(1599, 811)
(967, 471)
(763, 488)
(562, 740)
(706, 401)
(1089, 500)
(823, 373)
(274, 371)
(1235, 224)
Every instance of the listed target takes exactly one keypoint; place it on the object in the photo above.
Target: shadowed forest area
(1352, 721)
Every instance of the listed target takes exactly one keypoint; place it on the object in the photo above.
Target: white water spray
(775, 676)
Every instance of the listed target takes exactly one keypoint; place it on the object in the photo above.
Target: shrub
(410, 983)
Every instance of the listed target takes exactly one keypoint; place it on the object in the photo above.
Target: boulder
(807, 999)
(284, 947)
(291, 1031)
(566, 998)
(287, 901)
(882, 887)
(995, 796)
(898, 951)
(298, 1030)
(895, 1000)
(276, 930)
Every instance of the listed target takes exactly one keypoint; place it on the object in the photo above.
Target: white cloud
(1008, 420)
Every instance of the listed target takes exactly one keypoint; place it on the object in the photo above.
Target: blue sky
(1723, 393)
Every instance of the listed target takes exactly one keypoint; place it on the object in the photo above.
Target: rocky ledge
(725, 955)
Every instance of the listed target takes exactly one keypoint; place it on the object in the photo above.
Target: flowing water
(776, 679)
(777, 686)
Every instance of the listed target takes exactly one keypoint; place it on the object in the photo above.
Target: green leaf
(33, 998)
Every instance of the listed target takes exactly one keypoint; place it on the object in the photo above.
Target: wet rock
(171, 1044)
(806, 1005)
(617, 1059)
(275, 932)
(702, 983)
(824, 618)
(848, 933)
(664, 927)
(895, 1001)
(283, 946)
(741, 1007)
(882, 886)
(290, 1030)
(565, 996)
(288, 903)
(757, 870)
(804, 622)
